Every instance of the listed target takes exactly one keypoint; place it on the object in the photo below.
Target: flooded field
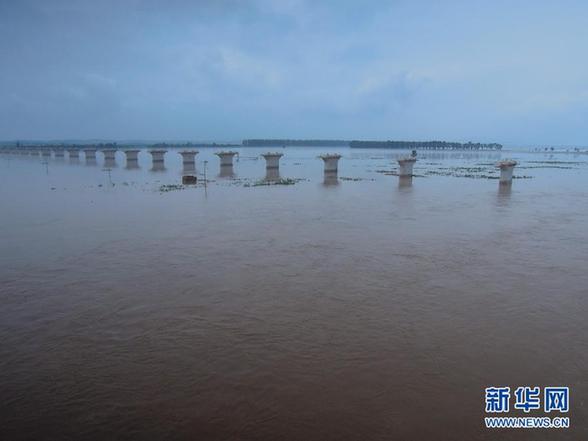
(296, 308)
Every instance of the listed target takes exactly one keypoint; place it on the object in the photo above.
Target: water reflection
(405, 182)
(226, 171)
(504, 193)
(90, 155)
(132, 164)
(109, 158)
(188, 168)
(158, 167)
(330, 179)
(74, 156)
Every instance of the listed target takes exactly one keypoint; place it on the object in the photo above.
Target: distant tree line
(191, 144)
(411, 145)
(295, 142)
(63, 145)
(427, 145)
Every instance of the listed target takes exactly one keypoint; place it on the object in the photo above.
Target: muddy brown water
(360, 309)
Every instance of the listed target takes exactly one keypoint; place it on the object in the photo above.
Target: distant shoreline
(280, 143)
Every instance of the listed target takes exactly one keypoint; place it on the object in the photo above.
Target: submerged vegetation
(171, 187)
(345, 178)
(266, 183)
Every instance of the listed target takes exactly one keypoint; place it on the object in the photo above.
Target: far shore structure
(280, 142)
(272, 159)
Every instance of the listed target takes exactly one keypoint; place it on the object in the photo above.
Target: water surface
(361, 308)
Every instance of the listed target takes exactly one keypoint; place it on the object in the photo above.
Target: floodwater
(359, 308)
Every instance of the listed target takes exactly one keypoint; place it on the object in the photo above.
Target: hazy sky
(514, 72)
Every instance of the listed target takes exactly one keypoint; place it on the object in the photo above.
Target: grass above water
(266, 183)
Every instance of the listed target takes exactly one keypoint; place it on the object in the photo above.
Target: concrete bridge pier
(272, 160)
(405, 166)
(226, 158)
(506, 171)
(90, 154)
(59, 153)
(158, 160)
(46, 153)
(109, 157)
(272, 174)
(272, 166)
(331, 161)
(132, 158)
(188, 161)
(74, 154)
(226, 164)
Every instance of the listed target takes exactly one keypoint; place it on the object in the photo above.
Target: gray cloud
(231, 69)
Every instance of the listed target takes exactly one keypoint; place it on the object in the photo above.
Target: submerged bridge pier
(90, 155)
(226, 163)
(188, 160)
(405, 166)
(74, 154)
(331, 162)
(158, 160)
(132, 156)
(109, 157)
(506, 171)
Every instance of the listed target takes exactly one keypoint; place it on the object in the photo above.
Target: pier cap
(330, 156)
(506, 163)
(226, 153)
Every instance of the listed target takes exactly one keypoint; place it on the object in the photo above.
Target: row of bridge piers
(272, 161)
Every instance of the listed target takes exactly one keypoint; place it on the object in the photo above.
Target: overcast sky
(514, 72)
